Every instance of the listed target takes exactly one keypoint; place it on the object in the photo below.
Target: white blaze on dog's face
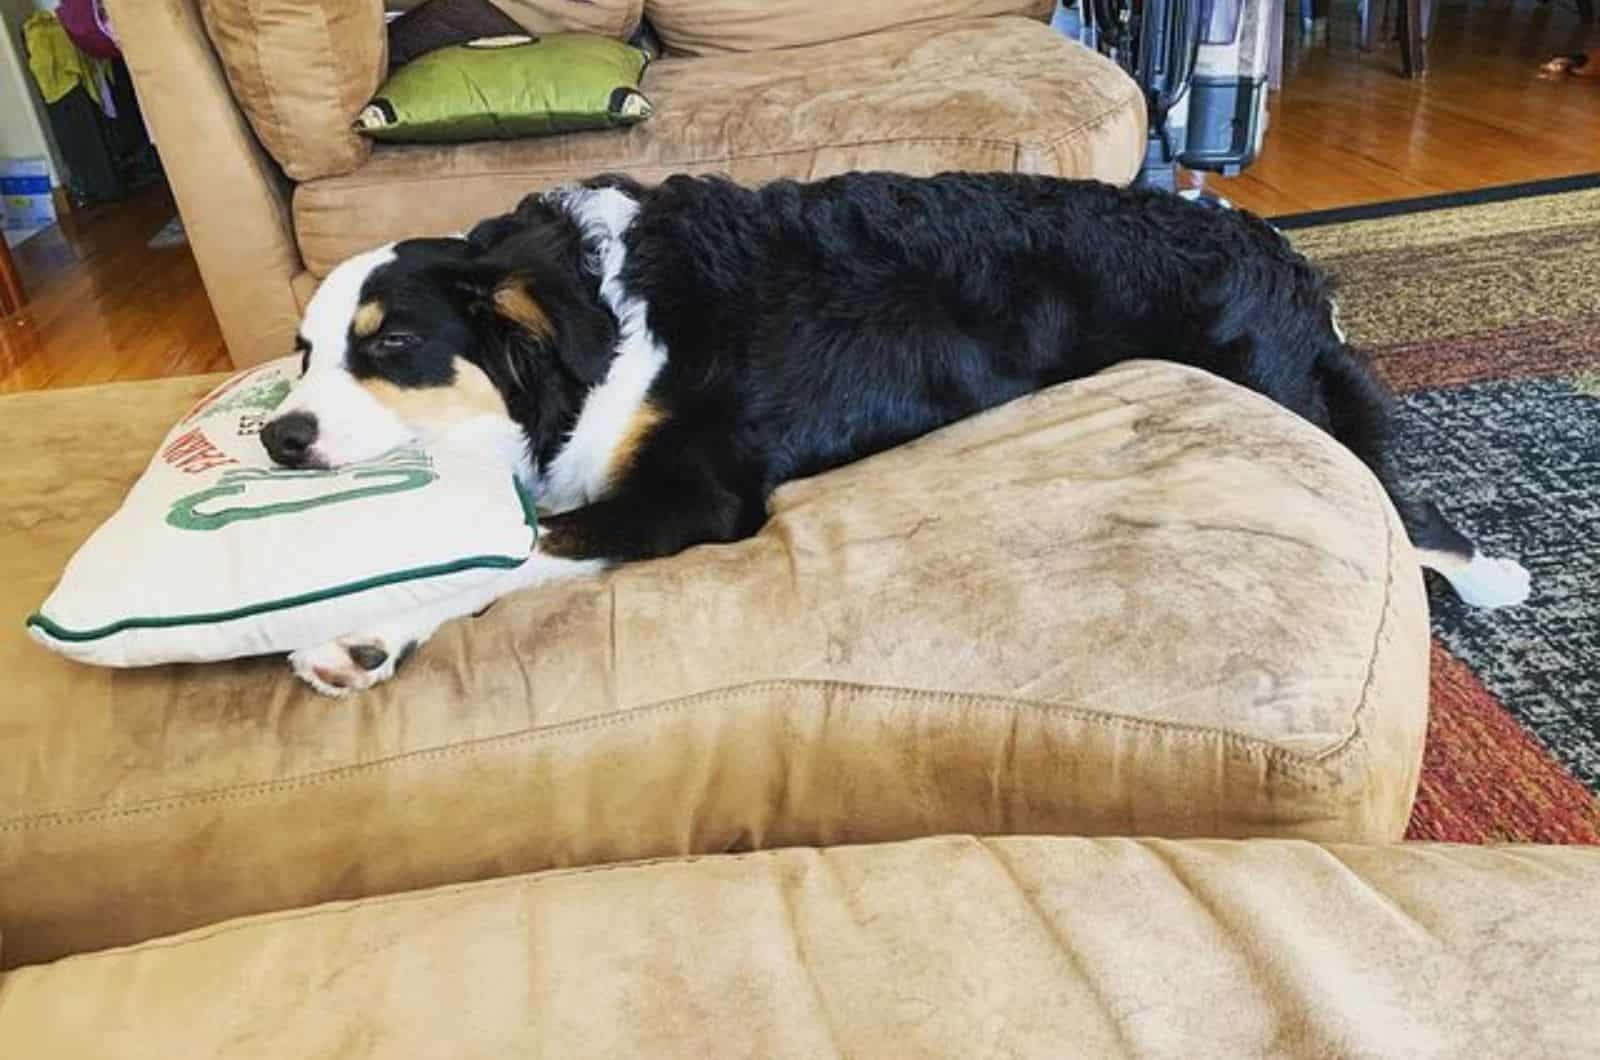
(387, 359)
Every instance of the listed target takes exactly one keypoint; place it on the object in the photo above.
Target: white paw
(1491, 582)
(349, 664)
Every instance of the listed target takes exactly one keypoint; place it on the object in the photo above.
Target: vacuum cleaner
(1203, 66)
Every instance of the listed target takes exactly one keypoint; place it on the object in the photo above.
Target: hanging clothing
(58, 66)
(93, 113)
(87, 23)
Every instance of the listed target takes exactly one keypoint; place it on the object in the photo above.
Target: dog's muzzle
(289, 438)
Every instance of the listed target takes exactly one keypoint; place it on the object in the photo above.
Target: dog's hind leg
(1359, 416)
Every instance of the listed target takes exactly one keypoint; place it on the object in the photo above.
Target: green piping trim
(38, 621)
(377, 581)
(529, 516)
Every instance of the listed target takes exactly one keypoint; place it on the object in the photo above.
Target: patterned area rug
(1486, 319)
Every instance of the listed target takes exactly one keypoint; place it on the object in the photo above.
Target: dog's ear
(513, 300)
(485, 234)
(554, 315)
(566, 315)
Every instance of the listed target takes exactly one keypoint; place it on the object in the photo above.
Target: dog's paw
(349, 664)
(1491, 581)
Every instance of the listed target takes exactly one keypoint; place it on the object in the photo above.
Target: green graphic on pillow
(399, 472)
(261, 395)
(264, 397)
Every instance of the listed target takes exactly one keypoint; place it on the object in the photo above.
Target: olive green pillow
(500, 88)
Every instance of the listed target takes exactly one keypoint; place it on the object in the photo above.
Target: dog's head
(493, 338)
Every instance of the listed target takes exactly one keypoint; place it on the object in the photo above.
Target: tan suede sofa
(615, 818)
(250, 104)
(1149, 602)
(953, 947)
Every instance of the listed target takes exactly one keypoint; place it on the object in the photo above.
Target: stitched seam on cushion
(1380, 504)
(346, 906)
(272, 119)
(282, 129)
(1357, 735)
(1251, 746)
(1103, 118)
(1099, 119)
(350, 145)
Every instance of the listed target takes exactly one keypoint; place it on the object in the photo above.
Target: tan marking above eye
(368, 319)
(646, 418)
(468, 396)
(515, 302)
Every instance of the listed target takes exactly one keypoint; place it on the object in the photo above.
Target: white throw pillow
(217, 554)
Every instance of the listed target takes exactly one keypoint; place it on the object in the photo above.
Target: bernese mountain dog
(655, 361)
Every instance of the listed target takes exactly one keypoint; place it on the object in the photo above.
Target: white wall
(24, 125)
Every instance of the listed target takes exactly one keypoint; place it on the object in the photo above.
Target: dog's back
(852, 313)
(832, 319)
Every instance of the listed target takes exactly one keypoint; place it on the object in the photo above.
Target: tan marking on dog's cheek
(514, 302)
(646, 418)
(470, 396)
(368, 319)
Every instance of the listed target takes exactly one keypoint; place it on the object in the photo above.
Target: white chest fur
(579, 473)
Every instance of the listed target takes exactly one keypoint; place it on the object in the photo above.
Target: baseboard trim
(1476, 197)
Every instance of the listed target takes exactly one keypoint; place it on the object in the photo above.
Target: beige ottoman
(1144, 603)
(952, 947)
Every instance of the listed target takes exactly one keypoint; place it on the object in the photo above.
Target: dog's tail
(1360, 415)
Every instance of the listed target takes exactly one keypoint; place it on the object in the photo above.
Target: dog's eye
(395, 341)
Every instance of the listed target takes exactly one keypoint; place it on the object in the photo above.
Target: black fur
(809, 325)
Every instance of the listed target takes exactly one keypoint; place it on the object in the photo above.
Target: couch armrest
(234, 200)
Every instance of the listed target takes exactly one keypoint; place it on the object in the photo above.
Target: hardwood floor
(1346, 130)
(103, 306)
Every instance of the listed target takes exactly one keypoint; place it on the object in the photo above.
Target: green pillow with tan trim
(500, 88)
(217, 553)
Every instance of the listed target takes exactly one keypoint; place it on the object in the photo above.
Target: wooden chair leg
(1369, 15)
(1413, 61)
(12, 295)
(1275, 48)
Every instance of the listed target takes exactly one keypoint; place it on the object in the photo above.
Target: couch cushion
(706, 27)
(301, 71)
(442, 23)
(1006, 94)
(1147, 602)
(949, 947)
(614, 18)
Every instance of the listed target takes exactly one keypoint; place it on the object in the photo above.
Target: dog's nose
(288, 438)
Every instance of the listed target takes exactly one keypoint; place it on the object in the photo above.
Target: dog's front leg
(638, 522)
(358, 661)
